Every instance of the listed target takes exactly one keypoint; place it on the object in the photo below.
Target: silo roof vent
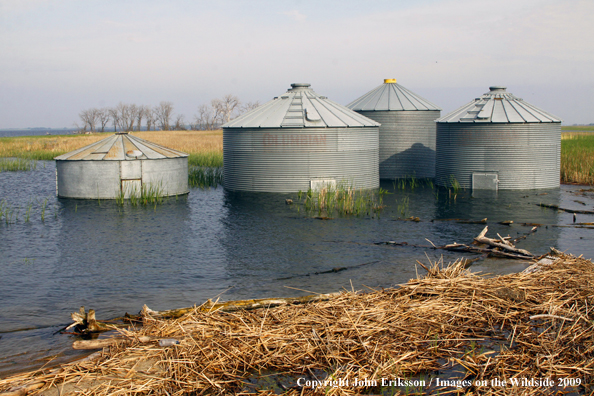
(391, 96)
(499, 106)
(301, 107)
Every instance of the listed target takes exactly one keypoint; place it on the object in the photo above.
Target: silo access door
(485, 181)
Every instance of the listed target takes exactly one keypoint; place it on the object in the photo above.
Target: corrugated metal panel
(406, 143)
(524, 155)
(498, 106)
(108, 149)
(391, 96)
(289, 111)
(287, 159)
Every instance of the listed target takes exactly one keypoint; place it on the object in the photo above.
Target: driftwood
(502, 244)
(85, 323)
(565, 209)
(504, 247)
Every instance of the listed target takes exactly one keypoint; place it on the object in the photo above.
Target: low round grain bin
(407, 131)
(498, 141)
(297, 141)
(121, 165)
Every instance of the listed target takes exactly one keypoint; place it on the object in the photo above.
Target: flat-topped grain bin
(297, 141)
(121, 165)
(498, 141)
(407, 131)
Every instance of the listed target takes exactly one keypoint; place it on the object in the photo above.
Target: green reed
(342, 200)
(17, 164)
(205, 177)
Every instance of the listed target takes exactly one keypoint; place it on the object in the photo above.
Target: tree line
(131, 117)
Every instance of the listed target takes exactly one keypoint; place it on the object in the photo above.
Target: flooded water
(59, 254)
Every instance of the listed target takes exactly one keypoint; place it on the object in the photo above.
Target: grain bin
(407, 131)
(121, 165)
(498, 141)
(297, 141)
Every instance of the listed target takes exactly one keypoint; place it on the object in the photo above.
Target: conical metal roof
(499, 106)
(391, 96)
(300, 107)
(120, 147)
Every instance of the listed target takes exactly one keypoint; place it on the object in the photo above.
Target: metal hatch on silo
(498, 141)
(407, 131)
(297, 141)
(121, 165)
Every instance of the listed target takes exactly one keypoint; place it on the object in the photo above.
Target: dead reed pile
(450, 324)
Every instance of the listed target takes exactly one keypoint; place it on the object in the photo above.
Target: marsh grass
(343, 200)
(17, 164)
(148, 194)
(577, 158)
(205, 176)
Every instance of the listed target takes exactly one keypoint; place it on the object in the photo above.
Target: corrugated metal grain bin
(118, 165)
(499, 141)
(407, 131)
(297, 141)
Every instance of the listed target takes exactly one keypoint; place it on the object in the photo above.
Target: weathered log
(106, 342)
(230, 306)
(565, 209)
(481, 238)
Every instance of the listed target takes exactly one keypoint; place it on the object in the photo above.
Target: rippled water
(216, 243)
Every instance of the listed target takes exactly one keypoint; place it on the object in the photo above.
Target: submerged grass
(147, 194)
(205, 177)
(17, 164)
(577, 158)
(342, 199)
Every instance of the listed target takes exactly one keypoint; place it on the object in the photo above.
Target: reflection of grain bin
(121, 163)
(498, 141)
(407, 133)
(297, 141)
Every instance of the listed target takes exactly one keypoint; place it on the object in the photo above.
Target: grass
(17, 164)
(577, 157)
(148, 194)
(205, 177)
(341, 200)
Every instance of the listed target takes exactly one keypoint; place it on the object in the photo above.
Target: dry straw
(450, 324)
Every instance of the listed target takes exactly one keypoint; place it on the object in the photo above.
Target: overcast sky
(60, 57)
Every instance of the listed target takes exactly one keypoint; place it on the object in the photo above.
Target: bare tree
(141, 113)
(249, 106)
(205, 118)
(151, 118)
(89, 118)
(126, 115)
(163, 114)
(115, 117)
(179, 123)
(226, 107)
(103, 117)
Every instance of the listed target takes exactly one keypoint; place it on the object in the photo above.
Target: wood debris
(450, 324)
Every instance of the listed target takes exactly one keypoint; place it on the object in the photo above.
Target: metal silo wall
(526, 156)
(88, 179)
(406, 142)
(285, 160)
(170, 175)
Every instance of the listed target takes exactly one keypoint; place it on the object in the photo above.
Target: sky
(60, 57)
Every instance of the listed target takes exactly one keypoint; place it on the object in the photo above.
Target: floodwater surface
(59, 254)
